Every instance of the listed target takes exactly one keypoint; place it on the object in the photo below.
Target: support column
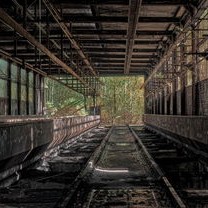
(42, 104)
(27, 92)
(158, 103)
(94, 105)
(146, 100)
(9, 104)
(165, 100)
(174, 84)
(162, 102)
(183, 80)
(195, 74)
(34, 94)
(174, 97)
(154, 103)
(19, 91)
(171, 103)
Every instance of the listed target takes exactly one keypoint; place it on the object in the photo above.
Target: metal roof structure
(90, 38)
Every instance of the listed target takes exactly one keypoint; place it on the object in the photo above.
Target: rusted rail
(104, 175)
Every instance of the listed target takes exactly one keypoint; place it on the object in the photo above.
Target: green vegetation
(121, 100)
(61, 101)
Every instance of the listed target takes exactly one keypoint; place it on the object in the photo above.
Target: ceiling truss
(85, 39)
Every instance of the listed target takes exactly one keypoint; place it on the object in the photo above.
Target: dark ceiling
(93, 37)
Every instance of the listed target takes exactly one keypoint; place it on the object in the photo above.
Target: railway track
(184, 164)
(46, 185)
(122, 173)
(125, 167)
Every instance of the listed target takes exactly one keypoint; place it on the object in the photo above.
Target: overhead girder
(44, 32)
(121, 2)
(5, 18)
(190, 22)
(101, 42)
(108, 19)
(86, 42)
(55, 33)
(117, 61)
(93, 50)
(122, 56)
(119, 72)
(118, 32)
(43, 73)
(68, 34)
(133, 16)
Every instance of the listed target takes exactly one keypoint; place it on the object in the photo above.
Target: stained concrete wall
(191, 127)
(23, 140)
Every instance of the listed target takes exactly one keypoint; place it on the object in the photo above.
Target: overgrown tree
(122, 100)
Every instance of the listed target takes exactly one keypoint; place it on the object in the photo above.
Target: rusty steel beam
(109, 19)
(86, 42)
(114, 3)
(29, 66)
(115, 34)
(8, 20)
(190, 22)
(120, 33)
(92, 42)
(64, 84)
(90, 50)
(115, 19)
(19, 61)
(118, 72)
(134, 10)
(68, 34)
(53, 41)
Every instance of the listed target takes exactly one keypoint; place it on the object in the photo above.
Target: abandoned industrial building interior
(103, 103)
